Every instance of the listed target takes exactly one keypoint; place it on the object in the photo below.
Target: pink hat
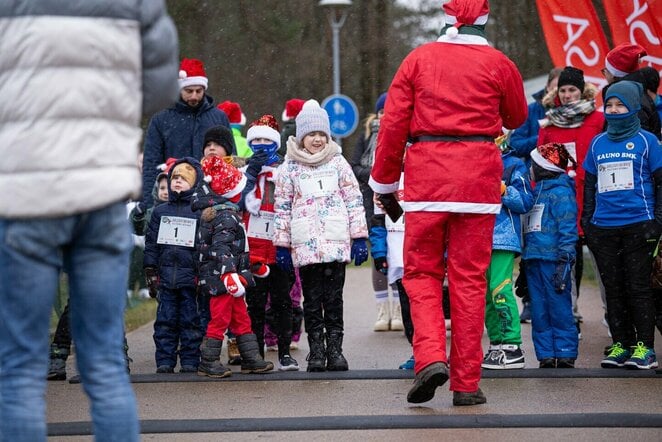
(465, 12)
(192, 73)
(292, 108)
(624, 59)
(233, 111)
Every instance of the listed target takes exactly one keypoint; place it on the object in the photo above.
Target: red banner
(574, 36)
(638, 22)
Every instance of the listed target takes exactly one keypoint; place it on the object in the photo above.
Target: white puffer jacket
(75, 77)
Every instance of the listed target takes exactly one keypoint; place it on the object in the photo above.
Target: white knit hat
(312, 118)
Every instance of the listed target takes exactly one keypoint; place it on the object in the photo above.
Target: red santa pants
(467, 238)
(228, 312)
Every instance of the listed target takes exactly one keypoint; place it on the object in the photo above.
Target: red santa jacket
(459, 88)
(259, 215)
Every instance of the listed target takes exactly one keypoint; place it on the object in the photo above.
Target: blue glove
(561, 277)
(284, 259)
(359, 251)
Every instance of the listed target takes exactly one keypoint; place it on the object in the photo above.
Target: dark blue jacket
(525, 138)
(177, 132)
(175, 264)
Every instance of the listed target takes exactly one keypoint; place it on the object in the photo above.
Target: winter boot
(251, 361)
(210, 359)
(57, 364)
(234, 358)
(396, 317)
(317, 356)
(335, 361)
(383, 317)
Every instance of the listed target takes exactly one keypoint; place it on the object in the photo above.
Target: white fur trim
(615, 72)
(284, 116)
(450, 206)
(383, 188)
(237, 189)
(262, 131)
(482, 20)
(243, 119)
(193, 81)
(464, 39)
(544, 162)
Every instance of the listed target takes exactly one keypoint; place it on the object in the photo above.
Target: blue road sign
(343, 115)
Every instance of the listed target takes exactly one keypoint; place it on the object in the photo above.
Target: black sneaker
(548, 363)
(188, 369)
(165, 369)
(503, 357)
(525, 316)
(288, 363)
(565, 363)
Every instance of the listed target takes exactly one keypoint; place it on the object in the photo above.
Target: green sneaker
(616, 356)
(642, 357)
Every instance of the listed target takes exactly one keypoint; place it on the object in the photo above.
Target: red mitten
(235, 284)
(260, 270)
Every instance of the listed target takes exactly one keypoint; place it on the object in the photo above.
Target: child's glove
(260, 270)
(562, 272)
(359, 251)
(503, 188)
(152, 280)
(521, 285)
(256, 162)
(235, 284)
(381, 265)
(284, 259)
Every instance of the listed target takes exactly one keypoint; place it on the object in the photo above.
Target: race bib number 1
(616, 175)
(261, 226)
(533, 219)
(176, 231)
(318, 183)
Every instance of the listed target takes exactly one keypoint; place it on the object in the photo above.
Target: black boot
(210, 359)
(251, 361)
(335, 361)
(57, 364)
(317, 356)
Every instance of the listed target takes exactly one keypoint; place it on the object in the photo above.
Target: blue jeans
(93, 248)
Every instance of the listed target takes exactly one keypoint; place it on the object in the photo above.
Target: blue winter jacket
(177, 132)
(525, 138)
(517, 200)
(558, 236)
(175, 264)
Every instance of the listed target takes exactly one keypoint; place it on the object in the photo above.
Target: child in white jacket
(319, 226)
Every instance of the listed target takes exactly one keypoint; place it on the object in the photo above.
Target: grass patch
(139, 312)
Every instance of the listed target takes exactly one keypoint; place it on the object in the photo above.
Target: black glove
(152, 280)
(256, 162)
(521, 284)
(561, 276)
(139, 208)
(381, 264)
(590, 184)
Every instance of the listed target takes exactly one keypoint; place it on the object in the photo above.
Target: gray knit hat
(312, 118)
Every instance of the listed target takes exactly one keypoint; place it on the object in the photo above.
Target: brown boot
(467, 398)
(426, 382)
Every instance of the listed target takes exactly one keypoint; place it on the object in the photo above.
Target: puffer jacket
(76, 77)
(175, 263)
(557, 235)
(318, 227)
(177, 132)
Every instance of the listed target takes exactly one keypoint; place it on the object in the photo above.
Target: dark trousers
(277, 285)
(322, 286)
(624, 256)
(62, 337)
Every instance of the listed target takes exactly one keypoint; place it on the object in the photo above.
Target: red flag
(637, 22)
(574, 36)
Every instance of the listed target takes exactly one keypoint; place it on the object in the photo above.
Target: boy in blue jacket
(550, 234)
(169, 266)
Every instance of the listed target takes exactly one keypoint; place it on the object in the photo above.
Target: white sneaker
(396, 317)
(272, 348)
(383, 317)
(294, 346)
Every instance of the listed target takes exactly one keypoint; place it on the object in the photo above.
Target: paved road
(361, 405)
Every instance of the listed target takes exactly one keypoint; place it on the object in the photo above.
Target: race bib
(617, 175)
(176, 231)
(398, 226)
(571, 147)
(318, 183)
(261, 226)
(533, 219)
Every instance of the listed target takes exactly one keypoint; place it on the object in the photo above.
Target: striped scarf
(568, 115)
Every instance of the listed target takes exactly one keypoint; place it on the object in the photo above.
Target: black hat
(221, 135)
(651, 78)
(572, 76)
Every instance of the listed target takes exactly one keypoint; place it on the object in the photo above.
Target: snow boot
(383, 317)
(251, 361)
(210, 359)
(57, 364)
(396, 317)
(317, 356)
(335, 361)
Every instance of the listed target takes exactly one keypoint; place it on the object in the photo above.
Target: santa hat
(312, 118)
(223, 178)
(233, 111)
(165, 167)
(292, 109)
(192, 73)
(465, 12)
(264, 127)
(553, 157)
(624, 59)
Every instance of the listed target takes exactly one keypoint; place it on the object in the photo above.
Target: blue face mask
(271, 149)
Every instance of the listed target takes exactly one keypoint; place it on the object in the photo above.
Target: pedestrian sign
(343, 115)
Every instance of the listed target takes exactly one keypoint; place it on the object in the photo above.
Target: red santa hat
(292, 108)
(192, 73)
(465, 12)
(264, 127)
(223, 178)
(624, 59)
(233, 111)
(554, 157)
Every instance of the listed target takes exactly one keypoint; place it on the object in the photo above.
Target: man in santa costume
(449, 99)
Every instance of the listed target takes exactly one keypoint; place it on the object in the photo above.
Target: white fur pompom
(182, 74)
(572, 174)
(451, 32)
(207, 178)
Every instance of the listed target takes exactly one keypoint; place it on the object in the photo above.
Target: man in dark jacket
(179, 131)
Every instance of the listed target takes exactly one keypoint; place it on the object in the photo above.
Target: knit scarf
(296, 153)
(568, 115)
(622, 126)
